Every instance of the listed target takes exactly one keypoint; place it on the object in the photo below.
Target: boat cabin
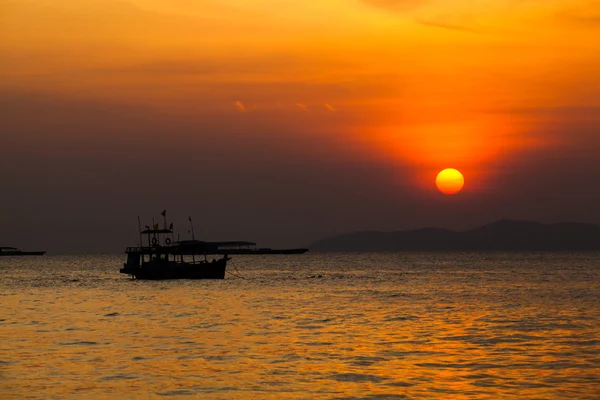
(159, 246)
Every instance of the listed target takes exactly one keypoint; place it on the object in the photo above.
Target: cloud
(240, 106)
(586, 15)
(327, 106)
(448, 25)
(455, 21)
(302, 106)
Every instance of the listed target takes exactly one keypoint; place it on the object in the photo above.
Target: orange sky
(420, 84)
(436, 81)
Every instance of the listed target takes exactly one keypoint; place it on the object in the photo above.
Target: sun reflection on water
(421, 326)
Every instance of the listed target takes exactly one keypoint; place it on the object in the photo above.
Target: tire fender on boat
(154, 241)
(167, 241)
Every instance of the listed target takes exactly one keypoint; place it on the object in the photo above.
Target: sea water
(324, 326)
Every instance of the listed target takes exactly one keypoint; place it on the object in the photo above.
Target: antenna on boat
(172, 232)
(154, 229)
(140, 230)
(192, 225)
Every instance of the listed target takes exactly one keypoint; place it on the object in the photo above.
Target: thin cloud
(240, 106)
(302, 106)
(327, 106)
(396, 5)
(448, 25)
(586, 16)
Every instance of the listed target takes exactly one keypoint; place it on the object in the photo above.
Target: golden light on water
(84, 331)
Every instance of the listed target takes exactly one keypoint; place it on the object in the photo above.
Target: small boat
(14, 252)
(163, 258)
(262, 250)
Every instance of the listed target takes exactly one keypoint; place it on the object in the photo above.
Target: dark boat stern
(132, 264)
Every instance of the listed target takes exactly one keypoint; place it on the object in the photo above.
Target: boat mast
(193, 238)
(192, 226)
(153, 232)
(140, 231)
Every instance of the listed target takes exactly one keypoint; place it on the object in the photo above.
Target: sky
(282, 122)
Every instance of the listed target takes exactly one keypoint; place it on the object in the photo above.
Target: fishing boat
(15, 252)
(160, 257)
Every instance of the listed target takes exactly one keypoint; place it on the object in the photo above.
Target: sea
(310, 326)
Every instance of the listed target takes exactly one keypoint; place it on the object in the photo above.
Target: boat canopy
(155, 231)
(184, 247)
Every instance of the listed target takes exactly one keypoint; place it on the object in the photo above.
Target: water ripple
(373, 326)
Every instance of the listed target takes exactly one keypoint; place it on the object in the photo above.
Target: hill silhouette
(503, 235)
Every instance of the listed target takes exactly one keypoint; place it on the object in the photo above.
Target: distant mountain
(503, 235)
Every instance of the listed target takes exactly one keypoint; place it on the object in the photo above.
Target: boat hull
(160, 270)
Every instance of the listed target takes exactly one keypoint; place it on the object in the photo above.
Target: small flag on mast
(155, 227)
(164, 213)
(171, 226)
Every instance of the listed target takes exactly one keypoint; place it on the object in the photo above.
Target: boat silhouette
(164, 258)
(159, 256)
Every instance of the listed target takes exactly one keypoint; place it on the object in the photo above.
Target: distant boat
(163, 258)
(250, 248)
(262, 251)
(14, 252)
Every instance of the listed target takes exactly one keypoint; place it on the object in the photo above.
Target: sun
(450, 181)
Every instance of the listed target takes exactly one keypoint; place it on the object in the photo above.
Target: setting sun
(450, 181)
